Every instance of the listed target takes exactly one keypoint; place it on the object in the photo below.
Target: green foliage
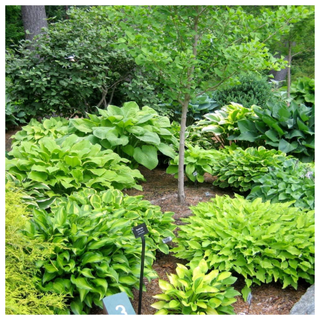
(224, 123)
(287, 128)
(14, 113)
(303, 90)
(292, 181)
(53, 167)
(197, 162)
(48, 83)
(196, 291)
(132, 133)
(22, 293)
(238, 168)
(100, 255)
(252, 90)
(264, 242)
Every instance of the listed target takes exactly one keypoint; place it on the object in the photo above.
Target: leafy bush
(53, 167)
(100, 255)
(224, 123)
(193, 291)
(22, 293)
(252, 90)
(14, 113)
(292, 181)
(47, 82)
(132, 133)
(239, 169)
(264, 242)
(289, 129)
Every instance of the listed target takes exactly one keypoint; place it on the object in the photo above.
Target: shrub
(100, 255)
(252, 90)
(22, 293)
(54, 167)
(132, 133)
(47, 82)
(292, 181)
(263, 242)
(193, 291)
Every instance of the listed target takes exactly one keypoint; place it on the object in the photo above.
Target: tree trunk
(289, 70)
(34, 19)
(181, 194)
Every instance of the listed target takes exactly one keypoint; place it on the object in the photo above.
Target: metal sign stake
(139, 232)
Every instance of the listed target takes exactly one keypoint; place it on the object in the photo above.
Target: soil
(161, 189)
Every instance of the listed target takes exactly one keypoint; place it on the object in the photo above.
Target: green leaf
(91, 257)
(147, 156)
(149, 137)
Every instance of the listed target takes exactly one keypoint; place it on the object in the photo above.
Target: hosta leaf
(81, 283)
(150, 137)
(38, 176)
(159, 304)
(166, 150)
(147, 156)
(91, 257)
(164, 285)
(162, 296)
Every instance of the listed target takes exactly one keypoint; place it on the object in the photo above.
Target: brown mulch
(161, 189)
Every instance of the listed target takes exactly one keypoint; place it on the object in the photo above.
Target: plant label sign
(118, 304)
(140, 230)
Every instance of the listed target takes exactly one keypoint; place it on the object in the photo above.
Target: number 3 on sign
(123, 309)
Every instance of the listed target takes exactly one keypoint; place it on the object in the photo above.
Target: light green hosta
(196, 291)
(262, 241)
(53, 167)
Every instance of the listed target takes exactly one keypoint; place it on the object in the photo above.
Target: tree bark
(34, 19)
(181, 194)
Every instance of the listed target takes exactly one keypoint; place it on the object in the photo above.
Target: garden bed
(161, 189)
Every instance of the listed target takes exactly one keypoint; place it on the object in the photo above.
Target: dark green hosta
(133, 133)
(97, 254)
(238, 168)
(264, 242)
(53, 167)
(287, 128)
(196, 291)
(293, 181)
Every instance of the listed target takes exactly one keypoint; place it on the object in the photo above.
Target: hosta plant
(293, 181)
(238, 168)
(197, 162)
(287, 128)
(133, 133)
(96, 253)
(196, 291)
(55, 127)
(60, 166)
(224, 123)
(261, 241)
